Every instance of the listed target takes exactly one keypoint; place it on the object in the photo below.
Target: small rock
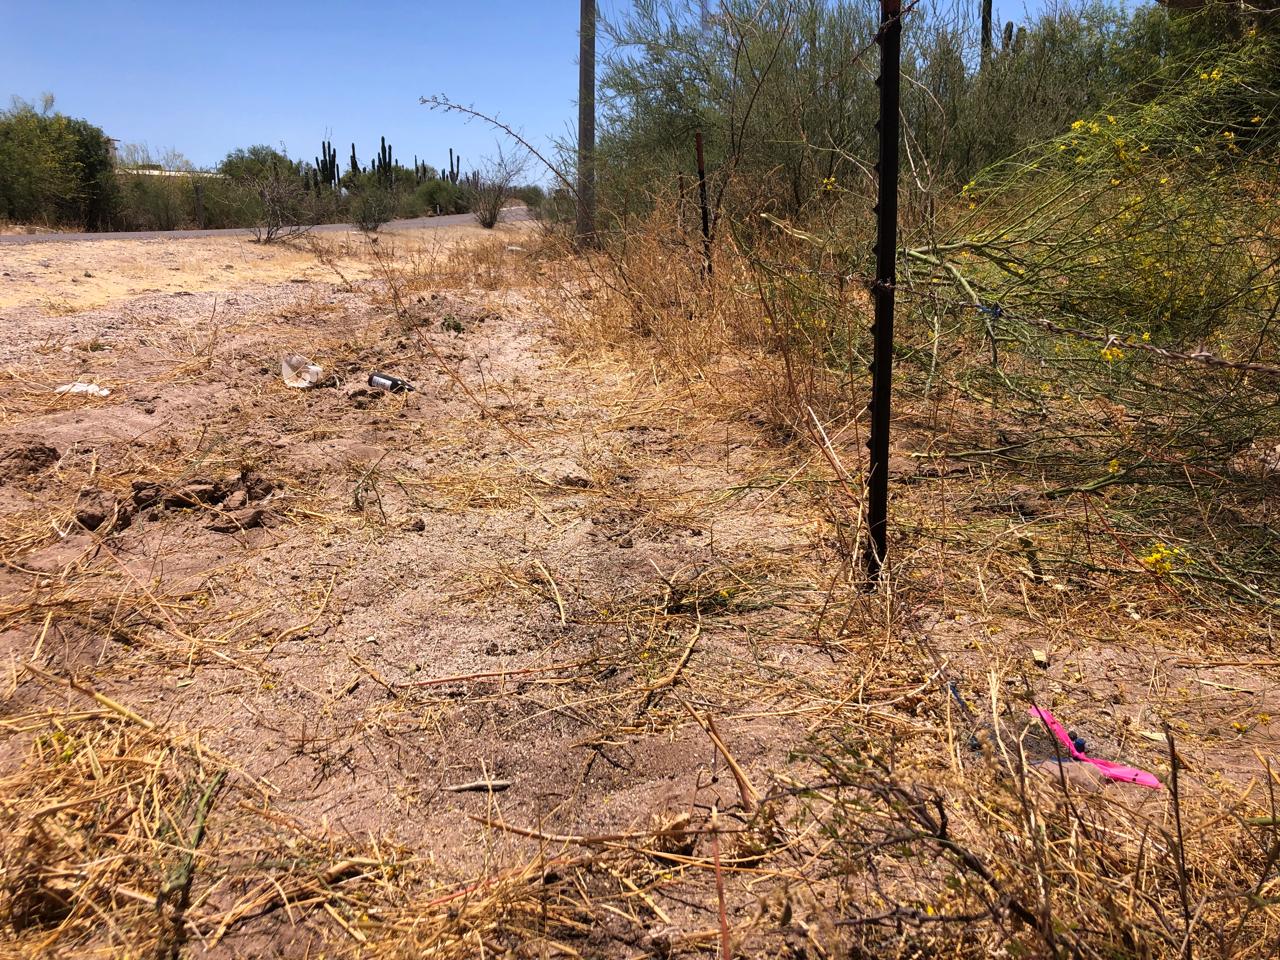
(239, 520)
(661, 940)
(1041, 659)
(100, 511)
(194, 495)
(238, 500)
(145, 494)
(565, 473)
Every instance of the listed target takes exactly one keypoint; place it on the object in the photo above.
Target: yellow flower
(1115, 182)
(1113, 467)
(1077, 125)
(1112, 354)
(1255, 119)
(1228, 135)
(1110, 118)
(1163, 558)
(828, 184)
(1146, 336)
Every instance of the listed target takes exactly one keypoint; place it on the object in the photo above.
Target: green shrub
(371, 207)
(54, 169)
(441, 197)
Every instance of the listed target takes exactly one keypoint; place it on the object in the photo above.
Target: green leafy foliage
(54, 169)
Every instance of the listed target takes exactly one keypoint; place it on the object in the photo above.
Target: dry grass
(940, 836)
(858, 775)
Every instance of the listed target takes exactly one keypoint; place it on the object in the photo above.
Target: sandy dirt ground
(340, 667)
(366, 602)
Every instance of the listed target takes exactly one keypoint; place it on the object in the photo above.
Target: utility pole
(986, 33)
(882, 290)
(585, 234)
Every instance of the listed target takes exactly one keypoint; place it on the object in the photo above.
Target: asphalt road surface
(510, 215)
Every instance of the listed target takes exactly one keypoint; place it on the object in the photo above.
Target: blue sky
(204, 78)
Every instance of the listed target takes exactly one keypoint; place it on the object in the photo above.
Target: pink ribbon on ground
(1113, 771)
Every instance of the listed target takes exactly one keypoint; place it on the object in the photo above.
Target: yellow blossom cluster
(1164, 558)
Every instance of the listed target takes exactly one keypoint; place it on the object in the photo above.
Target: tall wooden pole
(585, 234)
(890, 41)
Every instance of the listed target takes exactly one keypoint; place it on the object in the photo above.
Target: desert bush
(496, 182)
(1149, 224)
(441, 196)
(285, 206)
(54, 169)
(155, 202)
(1112, 283)
(371, 207)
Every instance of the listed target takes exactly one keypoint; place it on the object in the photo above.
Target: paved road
(419, 223)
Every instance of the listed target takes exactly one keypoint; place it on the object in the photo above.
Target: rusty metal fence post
(886, 250)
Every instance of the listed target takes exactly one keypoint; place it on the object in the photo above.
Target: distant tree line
(57, 171)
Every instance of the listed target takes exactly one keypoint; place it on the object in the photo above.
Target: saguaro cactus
(383, 165)
(355, 166)
(455, 168)
(327, 165)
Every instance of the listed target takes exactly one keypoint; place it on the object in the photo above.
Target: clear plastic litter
(91, 389)
(299, 372)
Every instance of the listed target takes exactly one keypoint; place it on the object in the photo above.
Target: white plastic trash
(92, 389)
(297, 371)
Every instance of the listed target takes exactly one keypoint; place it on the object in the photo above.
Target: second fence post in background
(890, 41)
(706, 210)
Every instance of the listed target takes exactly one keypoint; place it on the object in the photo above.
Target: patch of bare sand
(365, 601)
(470, 657)
(61, 278)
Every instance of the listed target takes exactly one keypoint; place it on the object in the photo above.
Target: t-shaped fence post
(890, 41)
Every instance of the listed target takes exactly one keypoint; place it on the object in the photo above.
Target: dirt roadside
(504, 664)
(292, 578)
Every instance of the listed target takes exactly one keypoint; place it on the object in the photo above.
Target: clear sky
(207, 77)
(204, 78)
